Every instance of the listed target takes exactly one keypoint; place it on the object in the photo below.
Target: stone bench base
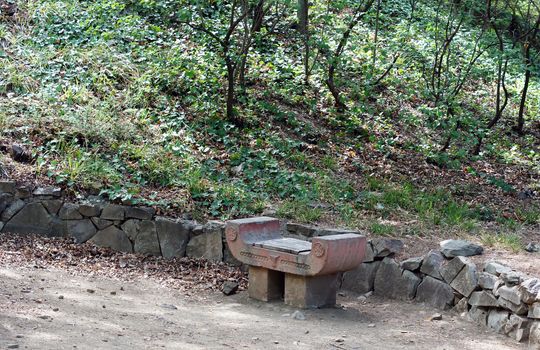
(298, 291)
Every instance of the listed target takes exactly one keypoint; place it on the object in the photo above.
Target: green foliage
(125, 97)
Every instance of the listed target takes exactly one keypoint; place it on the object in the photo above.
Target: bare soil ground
(50, 305)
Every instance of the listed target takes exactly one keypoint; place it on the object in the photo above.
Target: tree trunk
(521, 116)
(334, 90)
(303, 14)
(231, 116)
(258, 17)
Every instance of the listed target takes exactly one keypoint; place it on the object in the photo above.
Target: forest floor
(48, 302)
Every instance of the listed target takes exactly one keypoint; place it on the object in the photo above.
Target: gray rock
(58, 227)
(467, 280)
(518, 309)
(70, 211)
(534, 311)
(12, 209)
(532, 248)
(462, 306)
(509, 293)
(208, 246)
(496, 268)
(23, 192)
(450, 270)
(369, 255)
(89, 210)
(142, 213)
(5, 200)
(383, 247)
(454, 247)
(479, 315)
(131, 228)
(81, 230)
(486, 280)
(517, 327)
(529, 290)
(392, 282)
(113, 238)
(534, 336)
(483, 298)
(412, 264)
(52, 205)
(361, 279)
(1, 226)
(146, 242)
(511, 278)
(113, 212)
(497, 320)
(100, 223)
(173, 237)
(8, 187)
(33, 218)
(229, 288)
(432, 264)
(48, 191)
(435, 293)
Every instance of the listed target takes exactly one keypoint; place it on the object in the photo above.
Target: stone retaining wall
(44, 211)
(496, 296)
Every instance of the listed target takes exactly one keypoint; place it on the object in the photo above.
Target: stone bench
(305, 274)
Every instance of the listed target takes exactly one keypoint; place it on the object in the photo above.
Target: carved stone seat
(304, 273)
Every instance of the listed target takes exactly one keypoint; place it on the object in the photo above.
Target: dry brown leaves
(185, 274)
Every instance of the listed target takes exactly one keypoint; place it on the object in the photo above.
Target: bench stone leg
(311, 292)
(265, 284)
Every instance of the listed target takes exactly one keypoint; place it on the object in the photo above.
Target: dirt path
(54, 308)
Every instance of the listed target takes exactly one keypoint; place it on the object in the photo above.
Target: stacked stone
(44, 211)
(497, 297)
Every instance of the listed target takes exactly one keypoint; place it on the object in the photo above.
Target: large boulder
(412, 264)
(12, 209)
(32, 218)
(432, 264)
(114, 238)
(146, 242)
(361, 279)
(144, 236)
(113, 212)
(483, 298)
(456, 247)
(466, 281)
(435, 293)
(450, 270)
(392, 282)
(496, 268)
(52, 205)
(81, 230)
(70, 211)
(534, 336)
(383, 247)
(173, 236)
(534, 311)
(529, 290)
(208, 246)
(497, 320)
(5, 200)
(479, 315)
(141, 213)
